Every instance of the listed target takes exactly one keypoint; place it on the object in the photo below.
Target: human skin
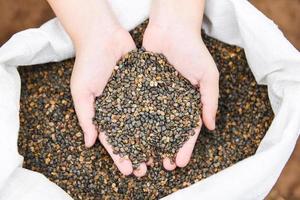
(174, 29)
(100, 42)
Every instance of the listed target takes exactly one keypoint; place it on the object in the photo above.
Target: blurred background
(18, 15)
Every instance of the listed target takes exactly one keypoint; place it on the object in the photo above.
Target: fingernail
(214, 123)
(150, 161)
(87, 140)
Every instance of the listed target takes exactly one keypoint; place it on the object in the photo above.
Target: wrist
(179, 15)
(96, 35)
(112, 43)
(102, 39)
(165, 33)
(175, 28)
(170, 23)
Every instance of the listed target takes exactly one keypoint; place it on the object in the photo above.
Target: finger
(84, 106)
(185, 152)
(150, 162)
(168, 164)
(209, 90)
(141, 170)
(124, 165)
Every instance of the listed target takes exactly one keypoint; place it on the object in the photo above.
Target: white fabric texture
(272, 59)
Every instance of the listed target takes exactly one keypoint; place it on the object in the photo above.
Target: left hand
(186, 51)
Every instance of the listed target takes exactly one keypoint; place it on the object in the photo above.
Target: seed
(145, 104)
(89, 173)
(78, 134)
(81, 158)
(47, 161)
(69, 157)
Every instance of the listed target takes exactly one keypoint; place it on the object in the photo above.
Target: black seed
(51, 139)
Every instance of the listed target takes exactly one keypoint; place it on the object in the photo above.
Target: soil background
(18, 15)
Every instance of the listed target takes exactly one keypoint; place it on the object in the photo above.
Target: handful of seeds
(147, 107)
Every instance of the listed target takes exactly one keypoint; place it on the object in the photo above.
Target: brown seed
(236, 137)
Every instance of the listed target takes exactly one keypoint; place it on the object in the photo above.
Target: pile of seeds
(147, 107)
(51, 140)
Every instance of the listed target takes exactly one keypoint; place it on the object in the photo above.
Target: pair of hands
(183, 48)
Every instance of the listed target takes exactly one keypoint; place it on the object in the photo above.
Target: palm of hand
(92, 70)
(187, 53)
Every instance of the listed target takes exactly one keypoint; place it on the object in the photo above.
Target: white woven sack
(273, 61)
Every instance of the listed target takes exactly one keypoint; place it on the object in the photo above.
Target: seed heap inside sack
(52, 143)
(146, 107)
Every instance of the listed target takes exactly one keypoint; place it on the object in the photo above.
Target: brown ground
(18, 15)
(288, 185)
(286, 14)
